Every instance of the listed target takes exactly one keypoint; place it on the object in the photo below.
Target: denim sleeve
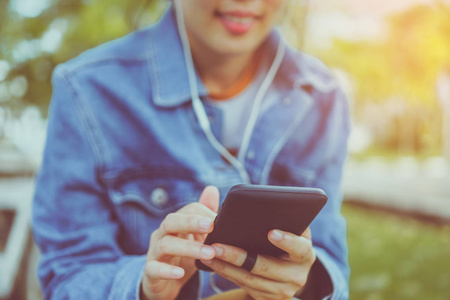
(73, 223)
(329, 228)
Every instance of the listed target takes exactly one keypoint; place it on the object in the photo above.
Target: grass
(394, 257)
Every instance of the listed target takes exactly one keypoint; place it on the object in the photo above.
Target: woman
(209, 96)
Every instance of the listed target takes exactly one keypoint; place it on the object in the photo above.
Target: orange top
(243, 81)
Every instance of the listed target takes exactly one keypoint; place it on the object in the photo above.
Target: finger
(175, 223)
(299, 248)
(197, 208)
(210, 198)
(230, 254)
(159, 270)
(248, 280)
(265, 266)
(171, 245)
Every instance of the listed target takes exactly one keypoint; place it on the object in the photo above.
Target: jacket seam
(83, 120)
(337, 132)
(78, 68)
(153, 70)
(265, 174)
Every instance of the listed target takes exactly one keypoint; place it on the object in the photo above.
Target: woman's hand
(270, 278)
(176, 244)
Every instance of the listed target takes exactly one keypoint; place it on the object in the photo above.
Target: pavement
(404, 184)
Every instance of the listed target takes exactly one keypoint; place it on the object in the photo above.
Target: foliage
(405, 63)
(79, 24)
(419, 48)
(394, 79)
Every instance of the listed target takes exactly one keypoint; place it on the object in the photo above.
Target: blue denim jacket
(124, 149)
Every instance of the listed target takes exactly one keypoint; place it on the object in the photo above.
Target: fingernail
(207, 252)
(177, 272)
(219, 251)
(207, 262)
(276, 235)
(205, 224)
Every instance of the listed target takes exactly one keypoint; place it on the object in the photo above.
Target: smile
(240, 20)
(237, 22)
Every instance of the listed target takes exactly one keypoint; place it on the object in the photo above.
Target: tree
(403, 64)
(400, 70)
(31, 47)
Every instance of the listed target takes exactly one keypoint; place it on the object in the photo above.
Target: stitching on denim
(91, 138)
(71, 70)
(91, 126)
(338, 117)
(282, 141)
(150, 50)
(118, 197)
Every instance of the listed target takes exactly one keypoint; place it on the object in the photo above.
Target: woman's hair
(140, 12)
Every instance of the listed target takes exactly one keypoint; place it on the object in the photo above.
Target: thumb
(210, 198)
(307, 234)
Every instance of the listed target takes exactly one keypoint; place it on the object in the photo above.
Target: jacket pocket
(142, 200)
(155, 196)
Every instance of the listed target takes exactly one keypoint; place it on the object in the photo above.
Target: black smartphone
(249, 212)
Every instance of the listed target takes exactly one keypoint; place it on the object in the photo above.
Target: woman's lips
(237, 22)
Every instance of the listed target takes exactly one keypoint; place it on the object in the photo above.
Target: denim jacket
(124, 149)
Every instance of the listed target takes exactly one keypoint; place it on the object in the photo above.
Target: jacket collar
(168, 70)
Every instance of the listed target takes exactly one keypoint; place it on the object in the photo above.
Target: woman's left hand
(270, 278)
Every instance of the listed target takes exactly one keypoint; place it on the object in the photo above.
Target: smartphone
(249, 212)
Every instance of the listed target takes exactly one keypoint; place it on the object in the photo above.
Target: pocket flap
(157, 196)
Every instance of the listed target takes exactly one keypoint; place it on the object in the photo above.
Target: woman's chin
(233, 47)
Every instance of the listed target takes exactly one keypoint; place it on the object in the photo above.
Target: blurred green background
(393, 59)
(396, 258)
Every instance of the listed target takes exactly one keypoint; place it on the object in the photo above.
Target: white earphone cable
(258, 99)
(196, 102)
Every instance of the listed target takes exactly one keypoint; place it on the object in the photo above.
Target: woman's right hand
(175, 246)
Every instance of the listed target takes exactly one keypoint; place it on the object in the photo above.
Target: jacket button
(159, 197)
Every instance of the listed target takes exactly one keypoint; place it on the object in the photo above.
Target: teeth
(240, 20)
